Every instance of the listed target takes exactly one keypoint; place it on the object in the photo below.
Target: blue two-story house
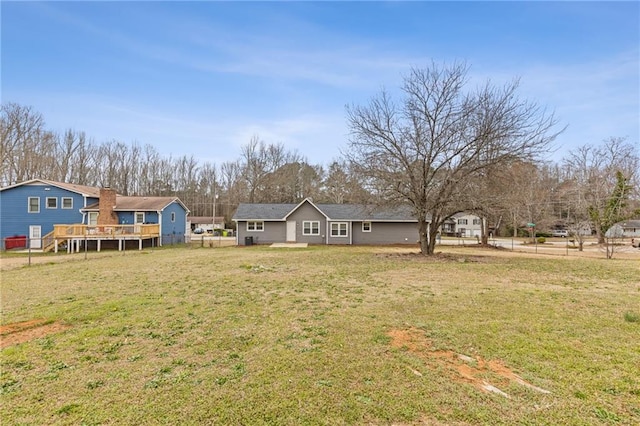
(44, 210)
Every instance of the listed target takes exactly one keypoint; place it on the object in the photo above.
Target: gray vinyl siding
(307, 212)
(389, 226)
(273, 232)
(386, 233)
(339, 240)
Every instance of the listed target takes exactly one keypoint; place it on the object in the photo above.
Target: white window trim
(63, 200)
(370, 226)
(311, 229)
(135, 218)
(89, 218)
(338, 226)
(462, 222)
(29, 204)
(46, 203)
(254, 227)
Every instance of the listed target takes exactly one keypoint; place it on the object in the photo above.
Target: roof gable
(303, 202)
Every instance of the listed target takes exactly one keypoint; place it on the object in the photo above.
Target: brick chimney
(106, 215)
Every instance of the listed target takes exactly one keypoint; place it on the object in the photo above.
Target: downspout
(350, 233)
(326, 232)
(160, 226)
(84, 215)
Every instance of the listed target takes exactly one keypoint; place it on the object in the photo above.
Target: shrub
(631, 317)
(542, 240)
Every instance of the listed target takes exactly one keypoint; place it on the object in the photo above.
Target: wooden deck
(75, 235)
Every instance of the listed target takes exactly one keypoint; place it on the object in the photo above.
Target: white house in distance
(467, 224)
(625, 229)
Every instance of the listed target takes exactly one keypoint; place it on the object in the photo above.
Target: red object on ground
(18, 241)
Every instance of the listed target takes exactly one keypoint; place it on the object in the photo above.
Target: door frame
(291, 231)
(35, 238)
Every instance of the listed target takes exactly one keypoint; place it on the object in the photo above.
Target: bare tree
(259, 163)
(26, 147)
(615, 210)
(292, 182)
(592, 173)
(82, 168)
(343, 185)
(423, 151)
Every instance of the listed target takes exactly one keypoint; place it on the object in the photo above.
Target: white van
(562, 233)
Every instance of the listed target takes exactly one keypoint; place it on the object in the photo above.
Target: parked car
(562, 233)
(198, 231)
(635, 242)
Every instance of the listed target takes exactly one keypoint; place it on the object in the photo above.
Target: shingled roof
(139, 204)
(353, 212)
(88, 191)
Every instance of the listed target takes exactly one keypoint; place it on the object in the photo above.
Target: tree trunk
(484, 231)
(427, 239)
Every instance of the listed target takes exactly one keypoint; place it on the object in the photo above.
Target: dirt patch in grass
(436, 257)
(462, 368)
(21, 332)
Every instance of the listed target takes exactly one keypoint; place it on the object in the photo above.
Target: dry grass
(310, 336)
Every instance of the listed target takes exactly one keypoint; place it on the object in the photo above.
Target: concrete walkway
(289, 245)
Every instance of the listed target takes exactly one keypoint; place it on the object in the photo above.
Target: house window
(462, 221)
(173, 216)
(476, 221)
(339, 229)
(255, 226)
(310, 227)
(34, 205)
(93, 219)
(52, 203)
(67, 202)
(366, 226)
(139, 217)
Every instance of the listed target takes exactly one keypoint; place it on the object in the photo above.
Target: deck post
(140, 244)
(55, 245)
(98, 241)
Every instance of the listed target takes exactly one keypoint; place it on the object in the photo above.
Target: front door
(291, 231)
(35, 236)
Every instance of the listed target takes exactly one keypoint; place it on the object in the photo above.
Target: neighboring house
(467, 225)
(448, 228)
(31, 208)
(167, 212)
(37, 207)
(625, 229)
(206, 223)
(311, 223)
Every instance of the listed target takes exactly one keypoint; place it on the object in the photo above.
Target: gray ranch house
(311, 223)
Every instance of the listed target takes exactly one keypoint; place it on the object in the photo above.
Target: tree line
(441, 148)
(263, 173)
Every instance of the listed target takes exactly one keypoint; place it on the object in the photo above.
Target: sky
(202, 78)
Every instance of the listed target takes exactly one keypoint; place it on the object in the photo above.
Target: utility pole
(213, 220)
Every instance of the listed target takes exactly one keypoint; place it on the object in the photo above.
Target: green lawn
(310, 336)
